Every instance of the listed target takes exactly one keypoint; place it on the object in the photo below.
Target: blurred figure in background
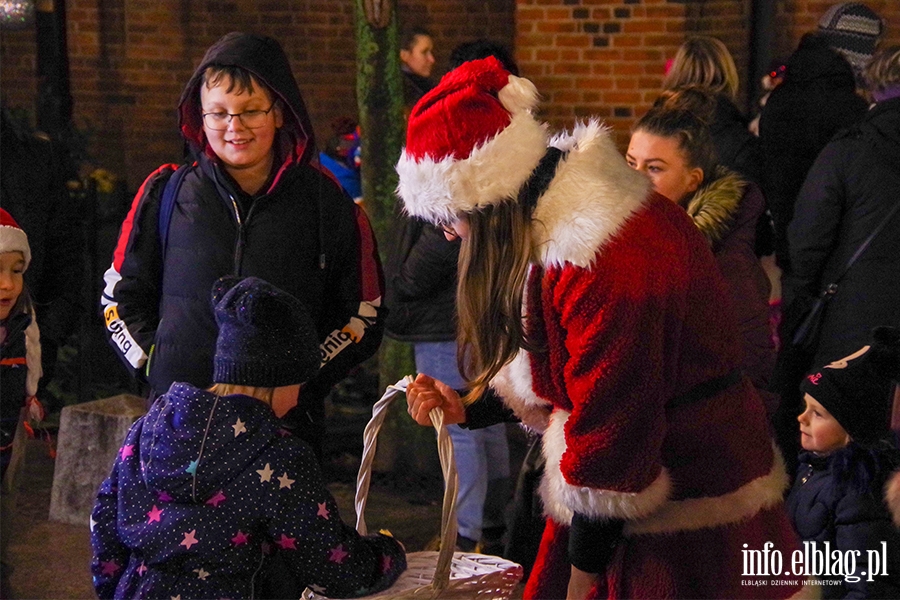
(417, 62)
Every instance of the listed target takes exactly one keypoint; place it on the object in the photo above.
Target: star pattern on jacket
(285, 482)
(265, 474)
(110, 567)
(154, 514)
(338, 554)
(216, 499)
(189, 539)
(227, 515)
(287, 542)
(192, 467)
(239, 427)
(126, 451)
(240, 538)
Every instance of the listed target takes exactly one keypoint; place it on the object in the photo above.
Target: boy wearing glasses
(251, 203)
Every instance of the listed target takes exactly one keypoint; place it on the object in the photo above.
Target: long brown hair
(493, 267)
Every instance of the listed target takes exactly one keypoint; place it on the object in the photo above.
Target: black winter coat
(736, 147)
(849, 190)
(826, 504)
(817, 98)
(157, 304)
(421, 284)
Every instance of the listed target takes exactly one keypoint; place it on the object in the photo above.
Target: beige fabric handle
(448, 466)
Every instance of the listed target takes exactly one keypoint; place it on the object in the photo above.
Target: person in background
(770, 80)
(417, 62)
(251, 204)
(342, 158)
(816, 99)
(207, 488)
(672, 144)
(849, 192)
(33, 189)
(20, 372)
(849, 454)
(421, 297)
(658, 460)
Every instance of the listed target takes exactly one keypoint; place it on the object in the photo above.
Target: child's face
(819, 431)
(419, 59)
(665, 163)
(238, 146)
(12, 270)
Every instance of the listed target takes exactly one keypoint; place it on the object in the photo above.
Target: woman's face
(819, 431)
(666, 165)
(419, 58)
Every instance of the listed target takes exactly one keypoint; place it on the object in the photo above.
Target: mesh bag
(445, 574)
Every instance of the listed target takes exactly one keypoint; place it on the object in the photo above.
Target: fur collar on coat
(715, 205)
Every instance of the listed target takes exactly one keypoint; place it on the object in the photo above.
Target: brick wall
(130, 58)
(607, 57)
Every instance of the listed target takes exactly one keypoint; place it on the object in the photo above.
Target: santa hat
(12, 238)
(470, 142)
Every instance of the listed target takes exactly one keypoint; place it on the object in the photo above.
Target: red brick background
(130, 58)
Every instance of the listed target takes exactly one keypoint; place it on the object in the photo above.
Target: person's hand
(580, 584)
(426, 393)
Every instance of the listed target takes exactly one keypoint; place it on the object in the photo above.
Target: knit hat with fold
(470, 142)
(267, 338)
(858, 390)
(852, 29)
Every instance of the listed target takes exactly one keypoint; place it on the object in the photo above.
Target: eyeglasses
(251, 119)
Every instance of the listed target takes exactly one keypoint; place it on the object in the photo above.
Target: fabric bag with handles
(445, 574)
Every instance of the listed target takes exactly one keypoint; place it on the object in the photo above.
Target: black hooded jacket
(300, 232)
(818, 98)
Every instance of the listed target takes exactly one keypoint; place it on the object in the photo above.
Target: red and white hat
(471, 142)
(12, 238)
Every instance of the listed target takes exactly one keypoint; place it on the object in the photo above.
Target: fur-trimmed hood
(591, 196)
(714, 206)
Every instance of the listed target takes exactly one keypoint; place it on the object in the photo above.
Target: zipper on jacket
(239, 246)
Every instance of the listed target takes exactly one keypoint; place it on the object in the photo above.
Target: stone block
(90, 435)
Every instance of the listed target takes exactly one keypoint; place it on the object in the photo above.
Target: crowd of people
(623, 307)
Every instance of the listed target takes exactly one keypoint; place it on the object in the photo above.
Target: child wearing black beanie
(208, 488)
(849, 454)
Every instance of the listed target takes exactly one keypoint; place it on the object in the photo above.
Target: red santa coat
(632, 315)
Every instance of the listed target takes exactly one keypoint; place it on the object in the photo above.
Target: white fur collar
(590, 198)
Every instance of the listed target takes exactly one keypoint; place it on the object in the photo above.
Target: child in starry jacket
(207, 486)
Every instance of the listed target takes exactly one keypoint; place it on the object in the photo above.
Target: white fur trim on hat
(439, 191)
(13, 239)
(561, 499)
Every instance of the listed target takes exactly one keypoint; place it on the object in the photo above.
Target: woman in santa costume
(660, 470)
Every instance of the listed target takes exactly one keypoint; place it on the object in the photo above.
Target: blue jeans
(482, 455)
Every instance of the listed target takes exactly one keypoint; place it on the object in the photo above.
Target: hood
(714, 206)
(194, 442)
(264, 58)
(814, 60)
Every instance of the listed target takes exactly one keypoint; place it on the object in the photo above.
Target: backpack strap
(167, 204)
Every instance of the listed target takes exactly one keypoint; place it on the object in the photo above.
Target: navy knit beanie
(266, 336)
(852, 29)
(858, 390)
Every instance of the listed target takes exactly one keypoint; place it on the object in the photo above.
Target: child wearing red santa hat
(660, 469)
(20, 366)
